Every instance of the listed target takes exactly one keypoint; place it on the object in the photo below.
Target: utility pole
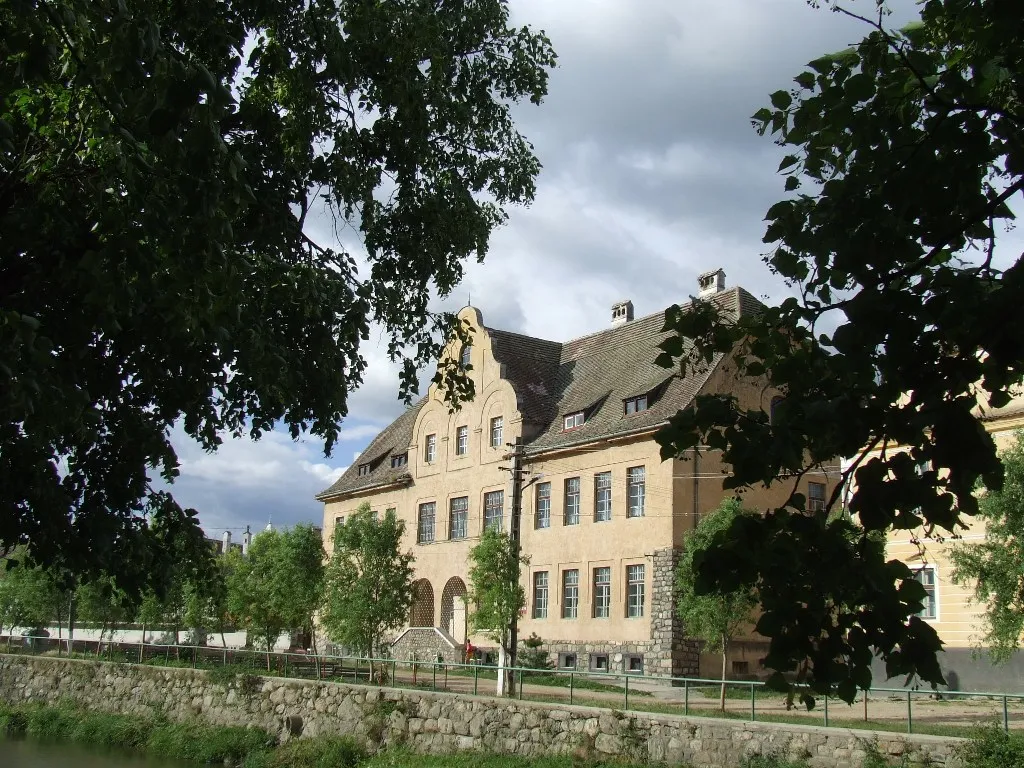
(514, 533)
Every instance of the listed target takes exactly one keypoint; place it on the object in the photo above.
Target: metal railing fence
(880, 708)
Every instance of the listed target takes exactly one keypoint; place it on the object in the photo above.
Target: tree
(253, 597)
(904, 155)
(368, 588)
(160, 169)
(994, 568)
(103, 602)
(28, 593)
(300, 577)
(714, 618)
(496, 596)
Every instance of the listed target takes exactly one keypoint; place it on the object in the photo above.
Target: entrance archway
(422, 612)
(453, 609)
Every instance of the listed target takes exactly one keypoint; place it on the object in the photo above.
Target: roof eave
(329, 496)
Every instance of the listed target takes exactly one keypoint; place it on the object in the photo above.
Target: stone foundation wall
(441, 723)
(424, 644)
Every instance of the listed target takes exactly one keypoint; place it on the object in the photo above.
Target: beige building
(603, 517)
(950, 608)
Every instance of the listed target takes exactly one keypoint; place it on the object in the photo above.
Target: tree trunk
(725, 649)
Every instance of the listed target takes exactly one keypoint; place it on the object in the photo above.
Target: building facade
(603, 516)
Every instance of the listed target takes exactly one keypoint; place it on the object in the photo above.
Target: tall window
(572, 502)
(602, 496)
(425, 523)
(635, 491)
(338, 522)
(494, 501)
(570, 593)
(465, 355)
(462, 441)
(458, 518)
(634, 591)
(926, 576)
(430, 451)
(542, 518)
(815, 497)
(496, 427)
(540, 595)
(602, 593)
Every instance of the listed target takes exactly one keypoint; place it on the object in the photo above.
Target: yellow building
(950, 609)
(603, 517)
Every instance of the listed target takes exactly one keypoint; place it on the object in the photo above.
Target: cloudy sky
(652, 174)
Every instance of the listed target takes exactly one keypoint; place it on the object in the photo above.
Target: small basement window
(599, 662)
(634, 664)
(741, 668)
(573, 420)
(364, 469)
(399, 460)
(567, 661)
(636, 405)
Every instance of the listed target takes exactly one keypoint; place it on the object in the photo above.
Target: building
(950, 608)
(603, 517)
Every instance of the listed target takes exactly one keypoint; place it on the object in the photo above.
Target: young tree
(161, 166)
(101, 601)
(496, 595)
(994, 568)
(715, 617)
(905, 155)
(368, 584)
(28, 593)
(300, 577)
(253, 596)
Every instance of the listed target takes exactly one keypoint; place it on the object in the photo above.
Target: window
(602, 592)
(636, 404)
(776, 402)
(399, 460)
(466, 355)
(364, 469)
(425, 523)
(542, 518)
(571, 515)
(338, 523)
(458, 517)
(573, 420)
(740, 668)
(634, 591)
(815, 497)
(570, 593)
(496, 426)
(635, 492)
(494, 501)
(599, 662)
(926, 576)
(602, 497)
(462, 441)
(540, 595)
(566, 660)
(430, 450)
(634, 664)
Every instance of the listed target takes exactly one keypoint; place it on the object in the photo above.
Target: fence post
(520, 684)
(686, 696)
(394, 673)
(142, 648)
(826, 710)
(910, 715)
(433, 684)
(625, 706)
(752, 699)
(476, 678)
(1006, 716)
(866, 691)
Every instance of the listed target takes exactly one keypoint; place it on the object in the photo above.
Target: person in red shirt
(470, 650)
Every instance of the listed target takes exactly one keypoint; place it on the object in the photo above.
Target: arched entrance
(422, 612)
(453, 609)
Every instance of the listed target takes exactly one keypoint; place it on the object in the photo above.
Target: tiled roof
(394, 439)
(594, 374)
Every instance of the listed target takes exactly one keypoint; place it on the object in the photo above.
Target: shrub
(992, 747)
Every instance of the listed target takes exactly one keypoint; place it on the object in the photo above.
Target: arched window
(421, 613)
(465, 355)
(776, 402)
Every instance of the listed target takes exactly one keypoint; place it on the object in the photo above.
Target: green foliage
(368, 584)
(319, 752)
(993, 568)
(278, 584)
(28, 594)
(992, 748)
(496, 595)
(771, 761)
(903, 156)
(158, 163)
(533, 655)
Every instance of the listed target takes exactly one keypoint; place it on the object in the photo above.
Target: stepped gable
(531, 366)
(396, 438)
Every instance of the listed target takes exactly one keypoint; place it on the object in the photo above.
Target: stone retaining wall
(441, 723)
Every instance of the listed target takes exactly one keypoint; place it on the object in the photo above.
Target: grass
(405, 759)
(550, 679)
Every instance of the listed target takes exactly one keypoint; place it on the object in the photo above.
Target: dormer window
(399, 460)
(364, 469)
(573, 420)
(636, 405)
(465, 355)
